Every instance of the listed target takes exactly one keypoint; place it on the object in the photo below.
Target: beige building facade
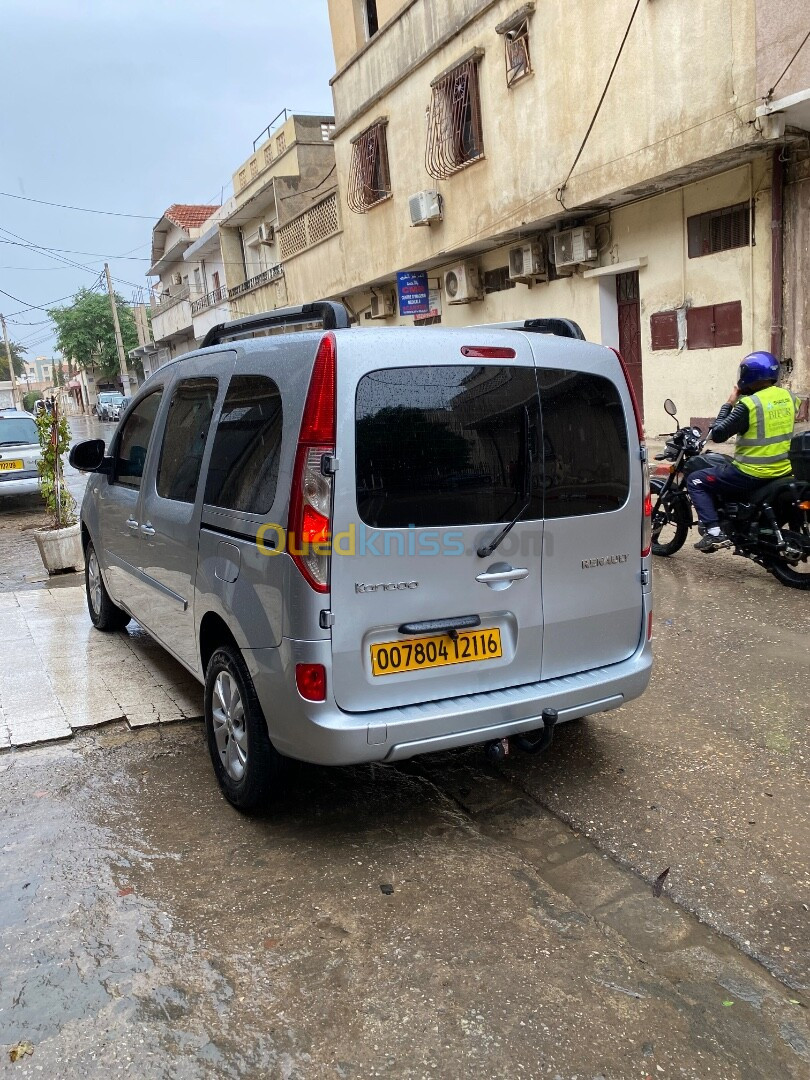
(491, 109)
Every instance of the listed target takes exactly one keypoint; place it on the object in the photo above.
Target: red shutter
(700, 327)
(728, 324)
(664, 330)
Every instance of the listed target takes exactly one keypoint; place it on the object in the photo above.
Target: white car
(19, 453)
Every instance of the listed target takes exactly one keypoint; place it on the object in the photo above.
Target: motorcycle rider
(761, 415)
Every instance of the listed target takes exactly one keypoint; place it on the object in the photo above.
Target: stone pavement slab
(58, 674)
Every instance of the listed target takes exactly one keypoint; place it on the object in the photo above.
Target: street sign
(413, 292)
(434, 307)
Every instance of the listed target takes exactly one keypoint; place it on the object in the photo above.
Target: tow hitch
(498, 749)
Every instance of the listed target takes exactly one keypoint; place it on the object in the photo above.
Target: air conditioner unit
(462, 284)
(575, 247)
(267, 233)
(528, 263)
(425, 206)
(382, 305)
(177, 279)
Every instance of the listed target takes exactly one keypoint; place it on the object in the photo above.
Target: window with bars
(515, 34)
(719, 230)
(369, 176)
(455, 137)
(497, 280)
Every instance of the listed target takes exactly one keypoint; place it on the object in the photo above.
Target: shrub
(54, 438)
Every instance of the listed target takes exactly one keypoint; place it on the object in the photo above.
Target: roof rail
(331, 315)
(558, 327)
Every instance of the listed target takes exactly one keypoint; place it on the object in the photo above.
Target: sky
(128, 106)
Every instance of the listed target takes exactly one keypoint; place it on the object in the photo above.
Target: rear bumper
(25, 483)
(325, 735)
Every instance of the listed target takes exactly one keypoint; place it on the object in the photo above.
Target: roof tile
(189, 215)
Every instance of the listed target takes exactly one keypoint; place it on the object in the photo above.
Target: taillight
(311, 492)
(311, 681)
(646, 521)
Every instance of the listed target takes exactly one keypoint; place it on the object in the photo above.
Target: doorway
(628, 300)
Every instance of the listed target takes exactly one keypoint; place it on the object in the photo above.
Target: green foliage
(54, 438)
(30, 398)
(85, 331)
(16, 359)
(58, 373)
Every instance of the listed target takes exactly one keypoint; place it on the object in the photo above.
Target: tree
(16, 359)
(85, 331)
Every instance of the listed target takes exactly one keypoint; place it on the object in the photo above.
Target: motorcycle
(772, 527)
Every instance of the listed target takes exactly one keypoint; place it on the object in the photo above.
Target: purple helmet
(758, 367)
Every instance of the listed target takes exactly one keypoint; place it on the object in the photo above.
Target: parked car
(119, 408)
(108, 402)
(19, 453)
(283, 514)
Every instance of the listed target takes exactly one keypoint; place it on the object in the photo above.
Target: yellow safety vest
(763, 449)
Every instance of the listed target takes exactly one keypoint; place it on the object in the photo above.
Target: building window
(515, 33)
(327, 131)
(497, 280)
(372, 22)
(455, 138)
(716, 326)
(664, 330)
(281, 143)
(719, 230)
(369, 178)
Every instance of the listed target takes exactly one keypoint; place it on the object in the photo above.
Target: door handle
(492, 577)
(133, 524)
(148, 529)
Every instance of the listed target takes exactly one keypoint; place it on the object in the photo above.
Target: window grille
(718, 230)
(518, 57)
(369, 177)
(281, 143)
(293, 237)
(242, 177)
(254, 168)
(455, 138)
(322, 220)
(268, 153)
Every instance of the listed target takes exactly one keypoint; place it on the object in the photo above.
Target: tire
(675, 528)
(246, 764)
(795, 577)
(104, 614)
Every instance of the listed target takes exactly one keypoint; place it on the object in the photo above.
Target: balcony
(209, 300)
(171, 313)
(273, 273)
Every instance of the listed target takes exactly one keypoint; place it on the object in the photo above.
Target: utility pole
(119, 344)
(14, 399)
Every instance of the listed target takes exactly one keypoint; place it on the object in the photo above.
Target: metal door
(628, 299)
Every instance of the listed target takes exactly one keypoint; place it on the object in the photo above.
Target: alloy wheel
(94, 582)
(228, 712)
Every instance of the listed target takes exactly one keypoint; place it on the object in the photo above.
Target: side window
(187, 425)
(585, 447)
(133, 442)
(243, 471)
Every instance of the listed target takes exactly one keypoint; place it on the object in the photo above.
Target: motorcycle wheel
(669, 535)
(794, 576)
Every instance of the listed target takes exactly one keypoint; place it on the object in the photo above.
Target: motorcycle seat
(769, 491)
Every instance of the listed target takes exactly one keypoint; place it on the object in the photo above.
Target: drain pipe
(777, 244)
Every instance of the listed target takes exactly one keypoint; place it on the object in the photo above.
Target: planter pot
(60, 549)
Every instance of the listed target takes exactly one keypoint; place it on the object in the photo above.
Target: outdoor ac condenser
(425, 206)
(528, 263)
(462, 284)
(575, 247)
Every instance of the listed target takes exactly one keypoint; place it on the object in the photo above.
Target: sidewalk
(59, 674)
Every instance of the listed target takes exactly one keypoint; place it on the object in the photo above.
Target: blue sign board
(413, 292)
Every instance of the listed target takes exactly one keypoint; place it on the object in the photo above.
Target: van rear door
(438, 447)
(593, 507)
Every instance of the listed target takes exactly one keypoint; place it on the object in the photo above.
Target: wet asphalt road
(148, 930)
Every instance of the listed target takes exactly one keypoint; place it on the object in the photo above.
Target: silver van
(375, 544)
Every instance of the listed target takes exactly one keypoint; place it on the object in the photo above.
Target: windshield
(17, 429)
(111, 399)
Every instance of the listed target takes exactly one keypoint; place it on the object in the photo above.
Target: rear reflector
(311, 681)
(649, 626)
(488, 352)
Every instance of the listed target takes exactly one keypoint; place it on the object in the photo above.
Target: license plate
(7, 466)
(418, 654)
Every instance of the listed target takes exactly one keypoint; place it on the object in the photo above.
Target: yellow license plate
(417, 654)
(7, 466)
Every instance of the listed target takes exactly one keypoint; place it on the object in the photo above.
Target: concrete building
(285, 204)
(472, 142)
(37, 376)
(178, 286)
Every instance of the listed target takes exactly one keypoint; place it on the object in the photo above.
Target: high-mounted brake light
(310, 513)
(488, 352)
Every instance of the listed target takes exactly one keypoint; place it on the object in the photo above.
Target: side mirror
(88, 456)
(669, 408)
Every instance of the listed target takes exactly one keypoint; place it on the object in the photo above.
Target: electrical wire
(561, 189)
(73, 251)
(81, 209)
(804, 42)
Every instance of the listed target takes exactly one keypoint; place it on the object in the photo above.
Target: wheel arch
(214, 631)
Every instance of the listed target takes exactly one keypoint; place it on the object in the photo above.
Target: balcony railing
(273, 273)
(210, 300)
(167, 300)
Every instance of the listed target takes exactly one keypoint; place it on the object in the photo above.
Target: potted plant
(60, 545)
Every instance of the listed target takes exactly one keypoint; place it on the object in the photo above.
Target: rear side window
(440, 446)
(585, 447)
(184, 439)
(133, 442)
(243, 472)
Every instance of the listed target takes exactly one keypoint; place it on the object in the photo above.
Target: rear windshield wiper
(485, 551)
(14, 442)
